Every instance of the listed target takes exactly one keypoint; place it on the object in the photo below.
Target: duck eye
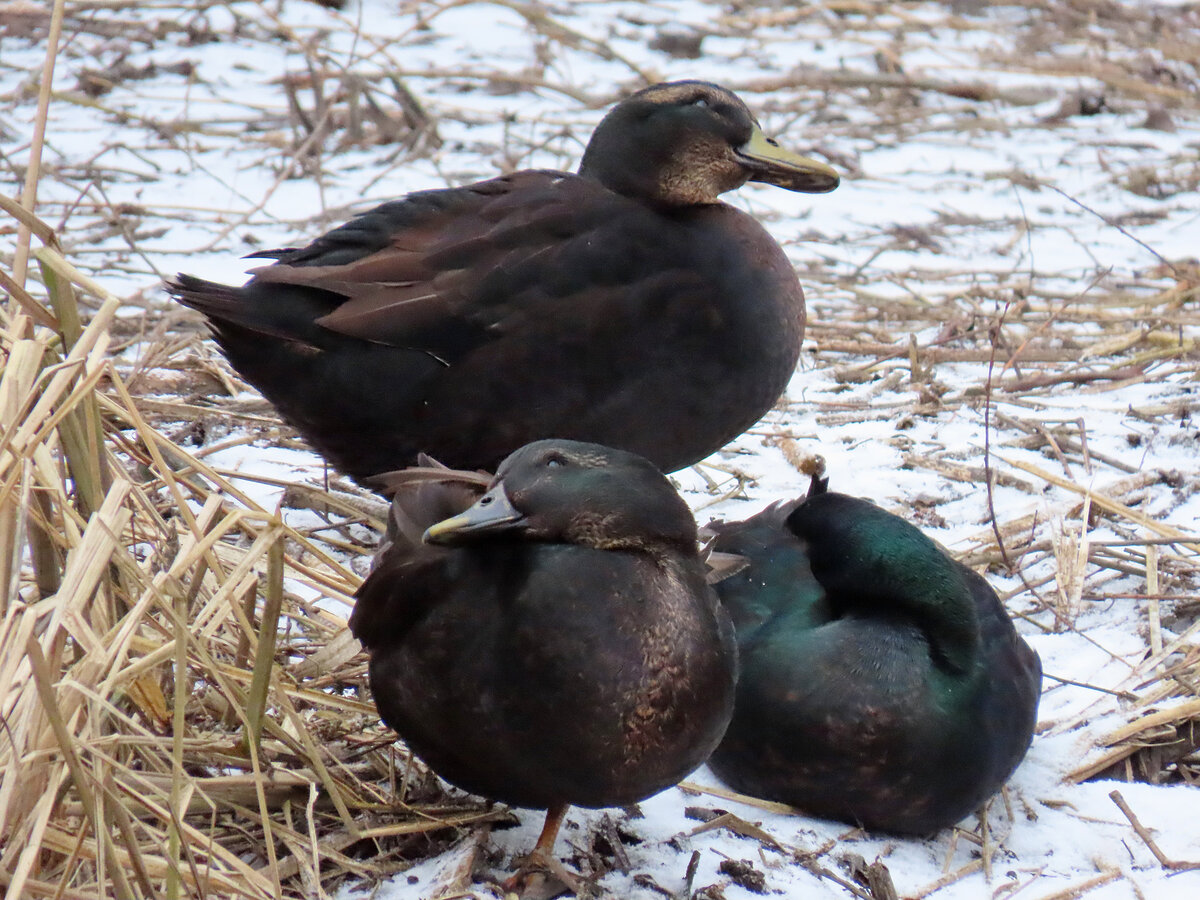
(554, 460)
(701, 102)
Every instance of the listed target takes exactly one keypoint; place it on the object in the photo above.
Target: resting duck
(553, 641)
(882, 682)
(625, 305)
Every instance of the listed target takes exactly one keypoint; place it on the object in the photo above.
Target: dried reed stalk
(164, 732)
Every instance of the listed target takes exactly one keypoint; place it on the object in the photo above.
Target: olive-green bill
(772, 164)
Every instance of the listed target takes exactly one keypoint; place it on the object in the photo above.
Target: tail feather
(244, 312)
(217, 301)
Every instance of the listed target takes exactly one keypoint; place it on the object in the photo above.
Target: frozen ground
(1005, 285)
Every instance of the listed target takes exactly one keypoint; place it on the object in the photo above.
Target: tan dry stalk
(268, 631)
(32, 173)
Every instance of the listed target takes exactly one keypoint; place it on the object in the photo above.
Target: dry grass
(180, 719)
(171, 712)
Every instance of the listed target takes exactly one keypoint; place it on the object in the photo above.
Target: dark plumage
(882, 681)
(625, 305)
(556, 643)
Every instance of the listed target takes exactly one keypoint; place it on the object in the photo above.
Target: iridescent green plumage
(882, 682)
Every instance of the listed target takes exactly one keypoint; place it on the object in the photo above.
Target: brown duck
(553, 640)
(625, 305)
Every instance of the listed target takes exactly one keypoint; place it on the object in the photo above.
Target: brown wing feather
(437, 269)
(407, 574)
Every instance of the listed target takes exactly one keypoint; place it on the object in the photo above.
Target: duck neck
(658, 176)
(872, 562)
(938, 598)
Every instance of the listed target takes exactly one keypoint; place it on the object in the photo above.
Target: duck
(624, 305)
(548, 638)
(882, 681)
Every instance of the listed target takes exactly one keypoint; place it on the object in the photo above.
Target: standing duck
(554, 643)
(882, 682)
(625, 305)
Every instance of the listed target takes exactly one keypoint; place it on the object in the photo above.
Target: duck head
(558, 491)
(686, 142)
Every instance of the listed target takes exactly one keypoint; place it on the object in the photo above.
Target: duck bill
(492, 513)
(770, 163)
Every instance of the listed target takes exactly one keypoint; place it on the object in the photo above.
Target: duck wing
(448, 270)
(408, 576)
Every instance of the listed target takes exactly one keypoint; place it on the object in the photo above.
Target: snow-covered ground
(1019, 179)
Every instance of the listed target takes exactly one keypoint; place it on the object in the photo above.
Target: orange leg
(543, 850)
(531, 875)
